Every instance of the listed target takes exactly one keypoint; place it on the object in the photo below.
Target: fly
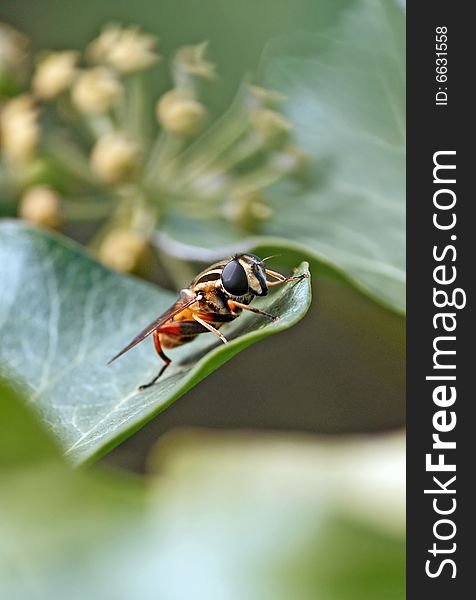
(216, 296)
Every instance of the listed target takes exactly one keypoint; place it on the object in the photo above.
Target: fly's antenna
(270, 257)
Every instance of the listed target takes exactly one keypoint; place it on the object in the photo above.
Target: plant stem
(136, 110)
(99, 125)
(70, 158)
(83, 209)
(161, 162)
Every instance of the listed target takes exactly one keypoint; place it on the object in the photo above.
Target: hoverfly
(216, 296)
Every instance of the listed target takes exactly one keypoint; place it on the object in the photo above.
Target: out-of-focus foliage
(79, 142)
(343, 92)
(347, 101)
(345, 96)
(236, 32)
(59, 527)
(62, 317)
(223, 518)
(276, 517)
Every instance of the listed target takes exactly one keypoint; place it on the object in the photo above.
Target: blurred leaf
(237, 32)
(347, 100)
(62, 316)
(22, 440)
(345, 97)
(229, 517)
(59, 527)
(282, 518)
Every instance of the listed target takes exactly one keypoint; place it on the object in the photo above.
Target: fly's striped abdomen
(178, 332)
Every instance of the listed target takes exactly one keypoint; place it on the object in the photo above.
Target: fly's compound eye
(234, 279)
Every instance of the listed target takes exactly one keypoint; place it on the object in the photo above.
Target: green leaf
(273, 518)
(59, 525)
(62, 316)
(346, 99)
(282, 517)
(345, 91)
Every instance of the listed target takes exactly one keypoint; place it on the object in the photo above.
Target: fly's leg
(233, 303)
(166, 360)
(282, 279)
(210, 328)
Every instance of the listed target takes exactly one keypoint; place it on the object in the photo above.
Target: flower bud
(261, 96)
(180, 114)
(190, 62)
(292, 160)
(270, 126)
(127, 50)
(96, 91)
(42, 206)
(54, 74)
(19, 129)
(13, 48)
(115, 158)
(125, 251)
(247, 209)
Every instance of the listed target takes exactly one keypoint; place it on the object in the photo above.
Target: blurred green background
(237, 31)
(347, 355)
(239, 516)
(219, 517)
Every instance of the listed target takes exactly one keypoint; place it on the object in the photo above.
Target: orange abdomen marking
(184, 328)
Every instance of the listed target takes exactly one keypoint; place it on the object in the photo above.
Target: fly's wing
(175, 309)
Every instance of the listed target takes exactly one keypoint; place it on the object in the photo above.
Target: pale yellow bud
(180, 114)
(190, 61)
(263, 97)
(115, 158)
(247, 209)
(125, 251)
(292, 159)
(13, 47)
(19, 129)
(42, 206)
(127, 50)
(96, 91)
(270, 126)
(98, 50)
(261, 211)
(54, 74)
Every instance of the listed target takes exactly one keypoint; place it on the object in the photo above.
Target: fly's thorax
(205, 287)
(215, 301)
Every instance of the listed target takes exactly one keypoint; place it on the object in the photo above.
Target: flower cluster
(78, 141)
